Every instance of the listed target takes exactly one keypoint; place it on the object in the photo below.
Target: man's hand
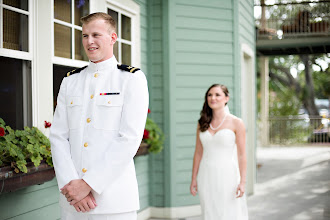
(76, 190)
(86, 204)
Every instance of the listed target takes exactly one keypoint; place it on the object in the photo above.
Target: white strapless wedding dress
(218, 178)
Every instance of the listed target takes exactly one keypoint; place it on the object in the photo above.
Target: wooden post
(264, 72)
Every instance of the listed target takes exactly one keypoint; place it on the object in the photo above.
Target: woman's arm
(241, 155)
(197, 159)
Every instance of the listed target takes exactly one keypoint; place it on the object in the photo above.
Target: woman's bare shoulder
(236, 120)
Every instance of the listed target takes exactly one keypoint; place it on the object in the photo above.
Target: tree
(282, 16)
(301, 86)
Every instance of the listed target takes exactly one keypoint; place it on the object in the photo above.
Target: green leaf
(49, 161)
(36, 160)
(21, 164)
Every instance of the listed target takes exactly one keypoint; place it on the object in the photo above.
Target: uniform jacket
(97, 129)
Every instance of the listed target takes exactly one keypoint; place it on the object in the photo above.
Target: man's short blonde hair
(99, 15)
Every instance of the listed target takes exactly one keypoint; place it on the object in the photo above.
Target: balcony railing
(299, 130)
(292, 19)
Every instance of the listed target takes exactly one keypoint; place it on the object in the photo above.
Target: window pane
(62, 41)
(125, 27)
(15, 31)
(114, 15)
(59, 72)
(62, 10)
(81, 9)
(79, 49)
(15, 92)
(21, 4)
(115, 50)
(126, 54)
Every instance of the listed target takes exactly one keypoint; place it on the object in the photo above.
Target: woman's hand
(193, 187)
(240, 190)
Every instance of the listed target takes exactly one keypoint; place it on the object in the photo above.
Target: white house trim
(248, 111)
(131, 9)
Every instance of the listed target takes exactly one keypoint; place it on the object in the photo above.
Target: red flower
(47, 124)
(149, 111)
(2, 132)
(145, 134)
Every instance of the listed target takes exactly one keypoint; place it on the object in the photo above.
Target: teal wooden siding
(246, 23)
(157, 93)
(37, 202)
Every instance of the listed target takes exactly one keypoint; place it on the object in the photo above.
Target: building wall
(37, 202)
(246, 23)
(157, 93)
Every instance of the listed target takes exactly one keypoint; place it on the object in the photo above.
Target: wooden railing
(292, 20)
(294, 130)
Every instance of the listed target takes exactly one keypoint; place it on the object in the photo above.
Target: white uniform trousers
(65, 215)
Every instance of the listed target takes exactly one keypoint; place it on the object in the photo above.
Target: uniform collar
(107, 65)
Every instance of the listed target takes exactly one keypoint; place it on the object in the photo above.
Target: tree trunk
(308, 94)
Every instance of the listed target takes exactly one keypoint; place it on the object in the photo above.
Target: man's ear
(113, 38)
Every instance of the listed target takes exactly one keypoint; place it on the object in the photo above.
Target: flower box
(143, 149)
(11, 181)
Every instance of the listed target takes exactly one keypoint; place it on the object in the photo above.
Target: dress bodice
(218, 147)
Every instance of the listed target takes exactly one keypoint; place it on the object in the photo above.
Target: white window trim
(131, 9)
(17, 54)
(61, 60)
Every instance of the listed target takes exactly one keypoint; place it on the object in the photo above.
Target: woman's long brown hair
(206, 113)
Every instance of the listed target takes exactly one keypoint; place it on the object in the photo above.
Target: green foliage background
(18, 147)
(156, 136)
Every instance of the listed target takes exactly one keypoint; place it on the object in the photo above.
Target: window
(15, 92)
(14, 24)
(123, 47)
(67, 28)
(15, 74)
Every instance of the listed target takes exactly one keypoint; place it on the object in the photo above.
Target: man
(97, 128)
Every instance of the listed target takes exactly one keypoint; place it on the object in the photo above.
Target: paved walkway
(293, 183)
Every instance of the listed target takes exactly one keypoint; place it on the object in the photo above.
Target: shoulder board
(127, 68)
(75, 71)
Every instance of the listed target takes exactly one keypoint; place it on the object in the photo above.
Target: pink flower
(2, 132)
(47, 124)
(145, 134)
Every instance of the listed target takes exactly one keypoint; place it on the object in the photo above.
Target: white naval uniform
(94, 137)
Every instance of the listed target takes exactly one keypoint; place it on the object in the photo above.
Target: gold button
(88, 120)
(92, 96)
(86, 144)
(71, 102)
(84, 170)
(109, 102)
(96, 75)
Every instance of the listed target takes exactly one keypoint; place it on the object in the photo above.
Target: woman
(219, 183)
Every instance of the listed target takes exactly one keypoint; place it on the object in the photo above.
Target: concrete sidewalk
(293, 183)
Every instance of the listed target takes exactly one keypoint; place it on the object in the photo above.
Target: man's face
(98, 41)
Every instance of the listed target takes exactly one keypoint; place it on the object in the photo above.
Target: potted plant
(25, 157)
(153, 138)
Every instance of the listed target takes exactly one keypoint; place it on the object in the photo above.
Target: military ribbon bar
(110, 93)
